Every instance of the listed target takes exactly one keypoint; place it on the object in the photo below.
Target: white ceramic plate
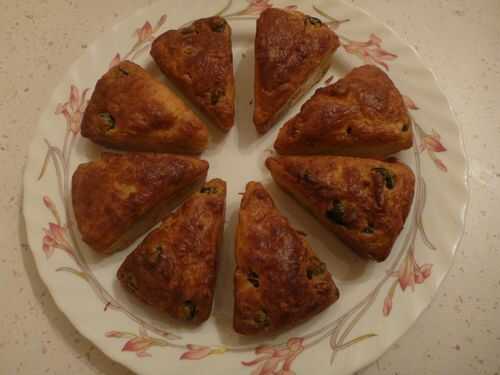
(379, 302)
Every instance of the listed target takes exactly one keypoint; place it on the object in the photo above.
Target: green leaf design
(80, 274)
(226, 7)
(160, 342)
(354, 341)
(44, 165)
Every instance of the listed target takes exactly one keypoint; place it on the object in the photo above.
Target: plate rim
(465, 179)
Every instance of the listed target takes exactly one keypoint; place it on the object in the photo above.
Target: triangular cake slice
(362, 114)
(292, 53)
(199, 60)
(130, 110)
(174, 268)
(279, 281)
(119, 197)
(364, 202)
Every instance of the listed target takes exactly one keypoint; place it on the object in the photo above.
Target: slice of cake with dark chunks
(362, 114)
(292, 53)
(174, 268)
(132, 111)
(279, 280)
(118, 198)
(364, 202)
(199, 60)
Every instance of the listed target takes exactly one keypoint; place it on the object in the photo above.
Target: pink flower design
(408, 275)
(432, 142)
(256, 7)
(422, 273)
(272, 358)
(53, 238)
(387, 305)
(139, 344)
(115, 61)
(48, 202)
(73, 109)
(52, 207)
(439, 163)
(161, 21)
(371, 52)
(117, 334)
(145, 33)
(410, 104)
(196, 352)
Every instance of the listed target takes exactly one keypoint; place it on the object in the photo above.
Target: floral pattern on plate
(404, 271)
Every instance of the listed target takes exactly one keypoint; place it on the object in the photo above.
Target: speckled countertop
(458, 39)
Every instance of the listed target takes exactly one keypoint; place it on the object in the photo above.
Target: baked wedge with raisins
(132, 111)
(279, 281)
(364, 202)
(362, 114)
(119, 197)
(199, 60)
(174, 268)
(292, 53)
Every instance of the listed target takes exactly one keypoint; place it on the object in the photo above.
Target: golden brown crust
(362, 114)
(199, 60)
(111, 194)
(364, 202)
(132, 111)
(279, 281)
(289, 48)
(174, 268)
